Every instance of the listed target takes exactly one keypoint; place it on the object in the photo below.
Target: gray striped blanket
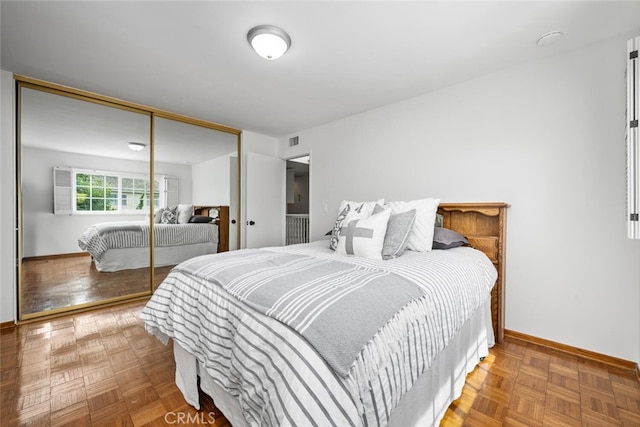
(103, 236)
(336, 306)
(278, 377)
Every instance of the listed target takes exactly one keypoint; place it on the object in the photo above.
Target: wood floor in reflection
(102, 368)
(49, 283)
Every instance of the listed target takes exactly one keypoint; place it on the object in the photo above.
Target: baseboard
(55, 256)
(81, 309)
(7, 325)
(586, 354)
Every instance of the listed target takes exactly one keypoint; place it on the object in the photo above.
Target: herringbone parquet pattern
(101, 368)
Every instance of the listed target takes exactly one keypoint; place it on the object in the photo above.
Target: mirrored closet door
(197, 167)
(83, 164)
(93, 172)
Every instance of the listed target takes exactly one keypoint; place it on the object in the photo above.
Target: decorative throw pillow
(398, 230)
(364, 237)
(421, 237)
(335, 233)
(443, 238)
(169, 215)
(184, 213)
(362, 209)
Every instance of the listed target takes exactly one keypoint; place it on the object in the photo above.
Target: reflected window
(137, 192)
(98, 192)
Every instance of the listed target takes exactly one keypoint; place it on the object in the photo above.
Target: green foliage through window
(101, 193)
(96, 193)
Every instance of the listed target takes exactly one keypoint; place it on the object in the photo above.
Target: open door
(265, 201)
(298, 196)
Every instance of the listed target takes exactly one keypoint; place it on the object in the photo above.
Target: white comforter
(280, 380)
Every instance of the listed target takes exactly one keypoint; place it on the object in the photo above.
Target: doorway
(297, 200)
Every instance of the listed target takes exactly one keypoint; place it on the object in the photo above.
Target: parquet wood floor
(102, 368)
(51, 283)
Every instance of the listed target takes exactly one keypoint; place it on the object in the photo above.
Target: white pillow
(364, 237)
(363, 209)
(157, 215)
(421, 237)
(184, 213)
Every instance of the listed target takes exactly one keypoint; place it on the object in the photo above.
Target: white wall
(546, 137)
(7, 194)
(185, 177)
(212, 181)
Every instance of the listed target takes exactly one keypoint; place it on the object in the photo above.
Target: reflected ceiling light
(136, 146)
(269, 41)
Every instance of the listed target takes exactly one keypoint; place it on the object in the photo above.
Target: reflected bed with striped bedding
(101, 237)
(279, 374)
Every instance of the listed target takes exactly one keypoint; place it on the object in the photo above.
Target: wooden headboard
(483, 224)
(221, 213)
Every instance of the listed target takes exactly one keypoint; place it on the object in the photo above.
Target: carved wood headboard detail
(222, 221)
(483, 224)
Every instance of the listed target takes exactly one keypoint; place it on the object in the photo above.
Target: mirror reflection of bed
(96, 275)
(180, 232)
(69, 144)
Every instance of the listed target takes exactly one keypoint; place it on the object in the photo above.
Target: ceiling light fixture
(549, 39)
(136, 146)
(269, 41)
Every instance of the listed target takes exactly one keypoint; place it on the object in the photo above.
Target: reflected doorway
(297, 200)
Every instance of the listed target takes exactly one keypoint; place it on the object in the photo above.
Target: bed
(124, 245)
(268, 356)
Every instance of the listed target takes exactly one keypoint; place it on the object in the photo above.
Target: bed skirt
(130, 258)
(423, 405)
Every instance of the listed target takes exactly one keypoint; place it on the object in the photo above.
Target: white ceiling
(346, 57)
(53, 122)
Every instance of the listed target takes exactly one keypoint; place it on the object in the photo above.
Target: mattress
(278, 377)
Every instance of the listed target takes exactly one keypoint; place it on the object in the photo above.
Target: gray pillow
(398, 231)
(443, 238)
(169, 216)
(200, 219)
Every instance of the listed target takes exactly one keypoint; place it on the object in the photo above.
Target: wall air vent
(293, 141)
